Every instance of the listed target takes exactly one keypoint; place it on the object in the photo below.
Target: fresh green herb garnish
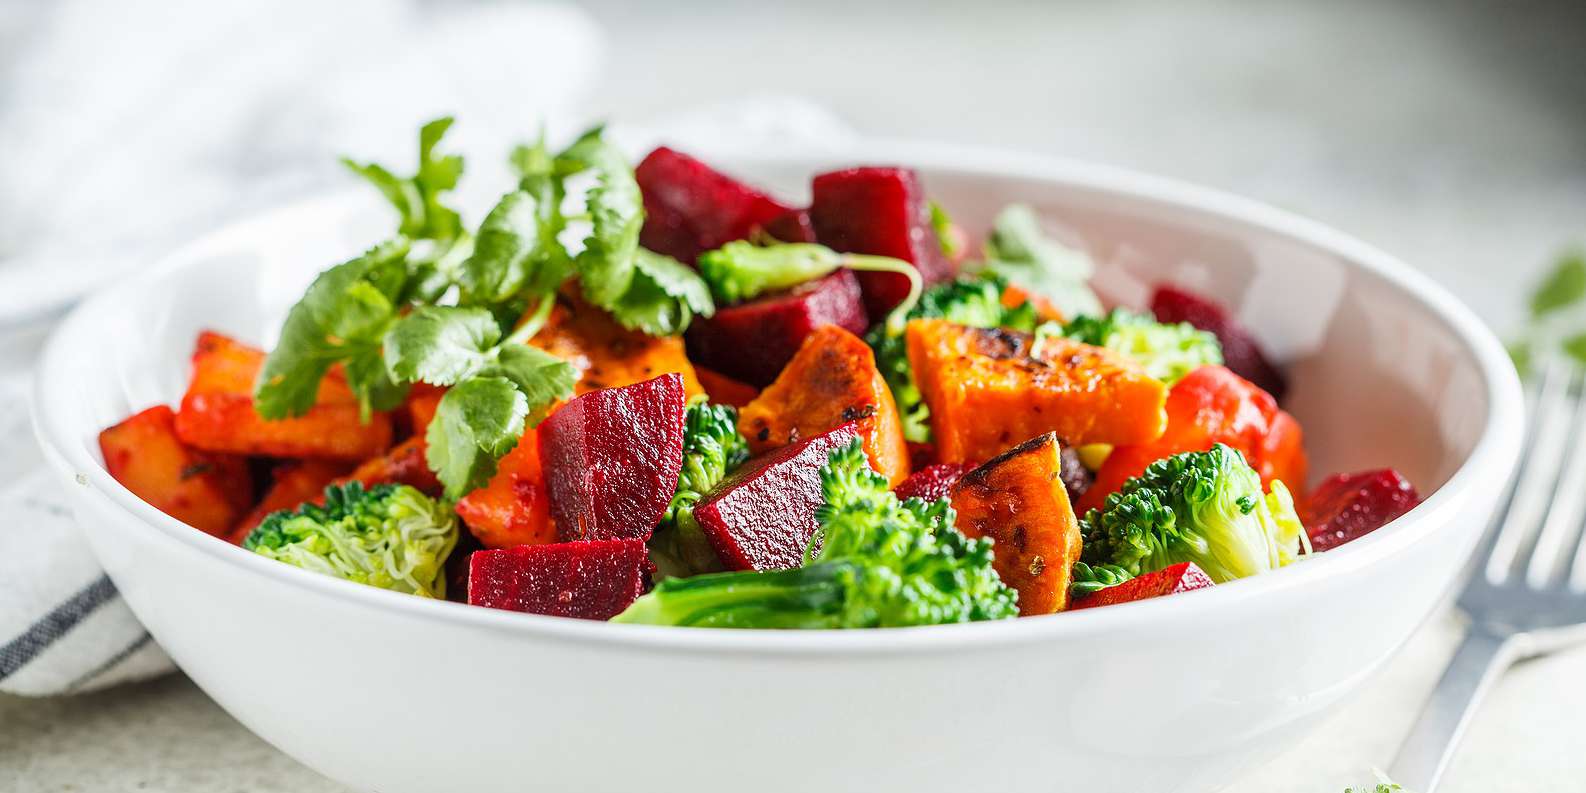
(417, 198)
(1020, 251)
(342, 318)
(457, 311)
(1557, 321)
(952, 245)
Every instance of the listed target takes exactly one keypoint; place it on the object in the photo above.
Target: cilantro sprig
(438, 305)
(1557, 320)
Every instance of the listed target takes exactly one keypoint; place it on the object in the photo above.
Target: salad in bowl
(659, 395)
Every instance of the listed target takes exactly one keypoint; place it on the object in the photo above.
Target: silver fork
(1527, 591)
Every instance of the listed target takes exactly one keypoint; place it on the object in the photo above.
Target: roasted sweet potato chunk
(723, 390)
(831, 381)
(217, 412)
(292, 484)
(514, 508)
(1019, 501)
(988, 389)
(404, 464)
(608, 355)
(205, 490)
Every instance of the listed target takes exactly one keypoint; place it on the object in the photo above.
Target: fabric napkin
(63, 629)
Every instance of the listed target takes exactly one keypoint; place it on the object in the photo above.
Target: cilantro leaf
(476, 422)
(664, 296)
(1564, 286)
(616, 213)
(510, 245)
(418, 198)
(542, 377)
(1020, 251)
(1575, 347)
(340, 319)
(442, 345)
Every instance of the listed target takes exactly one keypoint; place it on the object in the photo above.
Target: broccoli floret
(1202, 507)
(1167, 352)
(390, 536)
(975, 301)
(712, 447)
(881, 562)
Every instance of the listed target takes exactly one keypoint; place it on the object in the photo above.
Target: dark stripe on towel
(16, 653)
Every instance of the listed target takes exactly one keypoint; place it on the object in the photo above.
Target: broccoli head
(975, 301)
(881, 562)
(1202, 507)
(390, 536)
(712, 447)
(1166, 351)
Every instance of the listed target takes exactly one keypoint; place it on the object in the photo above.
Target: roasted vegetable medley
(658, 395)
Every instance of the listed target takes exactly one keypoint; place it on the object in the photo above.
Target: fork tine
(1562, 523)
(1537, 481)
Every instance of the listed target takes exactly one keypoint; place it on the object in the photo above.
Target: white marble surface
(1451, 134)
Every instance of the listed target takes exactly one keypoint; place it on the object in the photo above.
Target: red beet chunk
(1181, 577)
(761, 517)
(753, 341)
(611, 459)
(879, 211)
(1240, 351)
(1345, 507)
(791, 226)
(691, 208)
(933, 481)
(592, 580)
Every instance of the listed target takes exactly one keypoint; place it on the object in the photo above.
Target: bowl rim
(1491, 459)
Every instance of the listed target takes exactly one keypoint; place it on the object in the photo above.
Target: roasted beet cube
(1181, 577)
(691, 208)
(883, 212)
(1241, 354)
(933, 481)
(1348, 506)
(762, 515)
(611, 459)
(592, 580)
(791, 226)
(753, 341)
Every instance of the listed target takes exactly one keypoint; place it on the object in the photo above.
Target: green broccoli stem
(806, 597)
(886, 264)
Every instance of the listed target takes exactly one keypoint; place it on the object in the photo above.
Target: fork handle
(1482, 656)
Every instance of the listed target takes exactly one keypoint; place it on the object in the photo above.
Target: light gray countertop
(1453, 135)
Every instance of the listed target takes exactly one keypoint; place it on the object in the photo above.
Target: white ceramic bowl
(400, 695)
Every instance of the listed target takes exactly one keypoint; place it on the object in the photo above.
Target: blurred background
(1450, 133)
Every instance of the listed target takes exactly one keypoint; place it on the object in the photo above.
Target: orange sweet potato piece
(217, 412)
(1018, 500)
(1015, 296)
(608, 355)
(514, 508)
(205, 490)
(1214, 405)
(831, 381)
(292, 484)
(404, 464)
(421, 404)
(723, 390)
(986, 390)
